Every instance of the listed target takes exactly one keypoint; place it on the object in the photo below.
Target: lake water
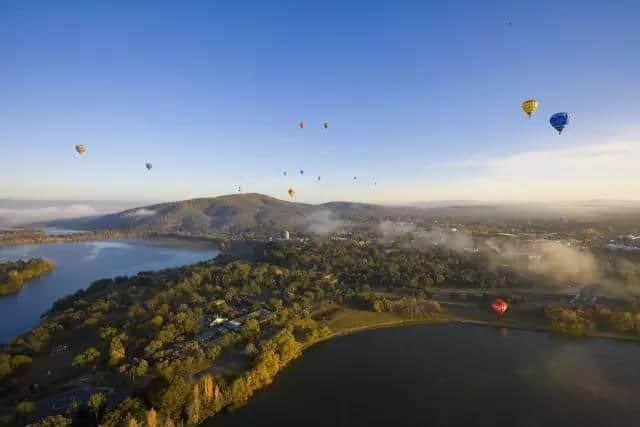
(452, 375)
(77, 265)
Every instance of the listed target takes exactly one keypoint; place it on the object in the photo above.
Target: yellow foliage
(152, 418)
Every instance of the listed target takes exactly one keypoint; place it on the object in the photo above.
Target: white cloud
(17, 216)
(608, 170)
(324, 222)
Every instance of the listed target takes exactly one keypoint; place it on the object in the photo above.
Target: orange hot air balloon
(499, 307)
(291, 192)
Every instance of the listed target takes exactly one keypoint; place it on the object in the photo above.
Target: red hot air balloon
(499, 307)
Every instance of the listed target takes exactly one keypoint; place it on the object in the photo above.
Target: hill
(234, 213)
(260, 213)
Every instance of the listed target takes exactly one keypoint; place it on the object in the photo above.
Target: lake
(452, 375)
(79, 264)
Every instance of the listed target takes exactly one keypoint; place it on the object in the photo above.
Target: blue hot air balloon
(149, 166)
(559, 121)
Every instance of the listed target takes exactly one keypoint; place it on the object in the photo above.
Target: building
(285, 235)
(217, 320)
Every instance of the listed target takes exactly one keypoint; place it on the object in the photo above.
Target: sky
(422, 98)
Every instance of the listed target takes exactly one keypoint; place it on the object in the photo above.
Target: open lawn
(348, 319)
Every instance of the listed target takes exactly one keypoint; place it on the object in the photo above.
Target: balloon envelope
(291, 192)
(529, 106)
(499, 307)
(326, 125)
(301, 124)
(81, 148)
(149, 166)
(301, 172)
(559, 121)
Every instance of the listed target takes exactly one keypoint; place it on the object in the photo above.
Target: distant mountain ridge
(257, 212)
(232, 213)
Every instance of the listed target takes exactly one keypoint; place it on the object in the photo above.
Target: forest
(14, 274)
(152, 337)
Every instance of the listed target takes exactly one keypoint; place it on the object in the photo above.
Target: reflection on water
(95, 248)
(452, 375)
(79, 264)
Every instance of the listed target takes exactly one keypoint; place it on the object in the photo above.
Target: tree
(250, 329)
(88, 356)
(193, 411)
(116, 351)
(207, 387)
(24, 410)
(120, 415)
(96, 403)
(151, 417)
(172, 400)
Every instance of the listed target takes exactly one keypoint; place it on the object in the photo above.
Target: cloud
(424, 239)
(141, 213)
(18, 216)
(323, 222)
(606, 170)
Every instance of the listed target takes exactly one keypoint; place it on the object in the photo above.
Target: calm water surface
(77, 265)
(452, 375)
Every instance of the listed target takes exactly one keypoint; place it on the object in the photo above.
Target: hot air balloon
(326, 125)
(149, 166)
(559, 121)
(355, 177)
(291, 192)
(81, 148)
(499, 307)
(529, 106)
(301, 124)
(301, 172)
(318, 178)
(285, 173)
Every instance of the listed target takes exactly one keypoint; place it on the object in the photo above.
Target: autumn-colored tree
(195, 392)
(207, 386)
(116, 351)
(152, 418)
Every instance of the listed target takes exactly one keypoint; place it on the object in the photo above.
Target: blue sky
(422, 97)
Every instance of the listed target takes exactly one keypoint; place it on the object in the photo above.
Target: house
(217, 320)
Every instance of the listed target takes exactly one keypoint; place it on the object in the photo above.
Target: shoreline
(37, 237)
(440, 319)
(454, 320)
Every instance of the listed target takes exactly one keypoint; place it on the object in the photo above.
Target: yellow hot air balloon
(529, 106)
(81, 148)
(291, 192)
